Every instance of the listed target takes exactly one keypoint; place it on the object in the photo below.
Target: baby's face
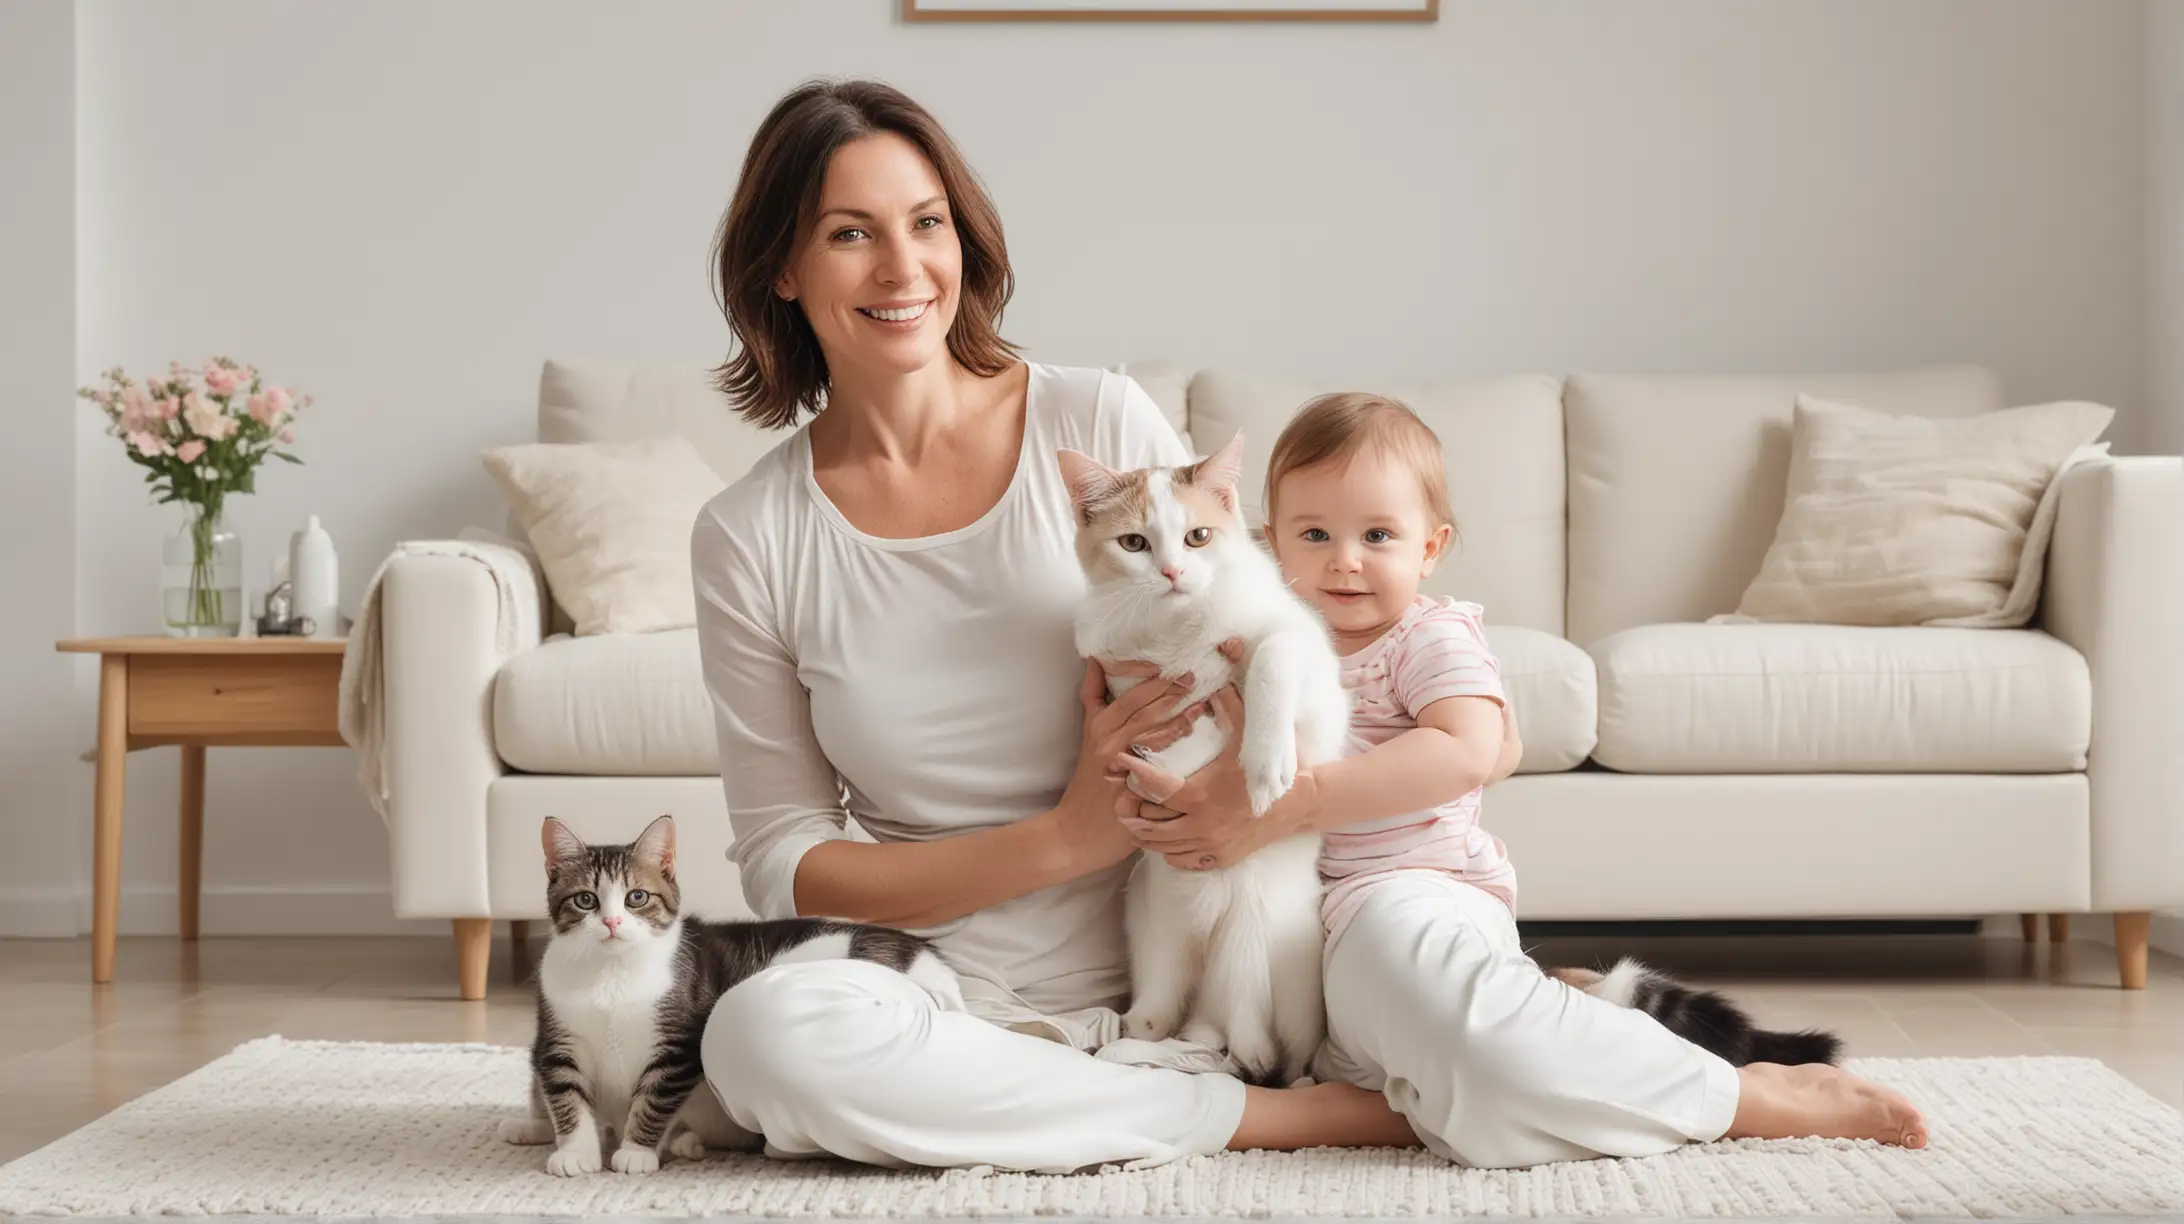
(1353, 538)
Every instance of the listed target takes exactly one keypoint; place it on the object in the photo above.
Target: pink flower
(189, 451)
(167, 408)
(146, 444)
(272, 406)
(288, 435)
(205, 419)
(222, 380)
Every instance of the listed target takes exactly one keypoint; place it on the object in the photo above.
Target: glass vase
(201, 578)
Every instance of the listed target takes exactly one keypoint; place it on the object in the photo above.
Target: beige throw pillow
(1907, 520)
(611, 524)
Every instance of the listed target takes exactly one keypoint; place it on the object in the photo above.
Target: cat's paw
(1147, 1026)
(1270, 769)
(527, 1131)
(632, 1159)
(575, 1159)
(686, 1146)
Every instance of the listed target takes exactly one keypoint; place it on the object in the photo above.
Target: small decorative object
(314, 575)
(200, 436)
(1171, 10)
(278, 620)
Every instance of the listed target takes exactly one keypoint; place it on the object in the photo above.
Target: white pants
(851, 1059)
(1432, 1001)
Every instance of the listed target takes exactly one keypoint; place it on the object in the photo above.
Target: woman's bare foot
(1777, 1102)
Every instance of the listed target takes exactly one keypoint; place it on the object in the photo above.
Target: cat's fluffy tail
(1705, 1018)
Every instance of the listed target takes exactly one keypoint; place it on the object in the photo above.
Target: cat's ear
(656, 845)
(562, 845)
(1092, 484)
(1219, 472)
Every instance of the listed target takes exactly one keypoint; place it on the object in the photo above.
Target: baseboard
(59, 913)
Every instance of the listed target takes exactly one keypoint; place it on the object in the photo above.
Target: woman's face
(879, 271)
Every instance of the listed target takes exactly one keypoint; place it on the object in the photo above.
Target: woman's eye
(848, 235)
(1197, 537)
(1315, 535)
(1378, 535)
(1132, 542)
(586, 902)
(636, 898)
(928, 222)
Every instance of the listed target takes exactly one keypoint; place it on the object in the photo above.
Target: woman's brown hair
(777, 373)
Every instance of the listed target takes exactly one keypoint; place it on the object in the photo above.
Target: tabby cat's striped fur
(624, 992)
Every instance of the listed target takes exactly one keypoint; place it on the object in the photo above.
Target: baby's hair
(1333, 428)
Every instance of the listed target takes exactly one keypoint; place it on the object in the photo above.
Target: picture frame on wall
(1171, 10)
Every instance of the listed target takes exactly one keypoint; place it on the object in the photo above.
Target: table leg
(113, 771)
(519, 943)
(192, 859)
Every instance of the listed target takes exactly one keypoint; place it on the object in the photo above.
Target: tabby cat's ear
(656, 845)
(562, 846)
(1219, 472)
(1092, 484)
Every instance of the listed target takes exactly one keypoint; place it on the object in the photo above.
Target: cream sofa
(1673, 769)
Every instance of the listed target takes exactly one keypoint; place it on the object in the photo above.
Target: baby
(1357, 515)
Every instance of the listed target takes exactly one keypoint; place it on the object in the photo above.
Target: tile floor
(70, 1051)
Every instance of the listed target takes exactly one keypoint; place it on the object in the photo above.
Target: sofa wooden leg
(473, 954)
(519, 942)
(2131, 933)
(2031, 924)
(2058, 928)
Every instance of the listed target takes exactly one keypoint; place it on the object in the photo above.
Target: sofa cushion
(1686, 698)
(1676, 484)
(618, 704)
(1550, 685)
(1502, 438)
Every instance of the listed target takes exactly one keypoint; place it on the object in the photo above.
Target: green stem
(204, 596)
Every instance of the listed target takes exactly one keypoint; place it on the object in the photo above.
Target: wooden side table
(197, 693)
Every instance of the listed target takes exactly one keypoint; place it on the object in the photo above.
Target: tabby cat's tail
(1705, 1018)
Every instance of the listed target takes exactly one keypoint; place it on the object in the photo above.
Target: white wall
(2164, 210)
(44, 830)
(404, 207)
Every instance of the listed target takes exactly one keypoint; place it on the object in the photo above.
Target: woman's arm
(785, 797)
(920, 884)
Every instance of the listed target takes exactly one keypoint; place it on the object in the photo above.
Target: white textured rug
(312, 1128)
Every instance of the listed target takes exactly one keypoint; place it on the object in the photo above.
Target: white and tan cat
(1227, 958)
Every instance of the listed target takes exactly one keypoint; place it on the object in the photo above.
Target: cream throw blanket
(517, 582)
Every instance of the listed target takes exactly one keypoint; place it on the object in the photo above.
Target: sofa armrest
(443, 642)
(2114, 590)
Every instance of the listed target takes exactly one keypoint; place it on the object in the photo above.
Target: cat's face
(1164, 531)
(612, 896)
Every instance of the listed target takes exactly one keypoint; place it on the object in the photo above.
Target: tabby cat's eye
(636, 898)
(586, 902)
(1198, 537)
(1132, 542)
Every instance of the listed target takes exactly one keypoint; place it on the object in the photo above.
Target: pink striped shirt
(1438, 650)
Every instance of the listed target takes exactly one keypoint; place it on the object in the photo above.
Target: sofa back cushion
(622, 401)
(1502, 439)
(1676, 484)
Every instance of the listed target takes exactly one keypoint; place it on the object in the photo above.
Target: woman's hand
(1204, 821)
(1149, 713)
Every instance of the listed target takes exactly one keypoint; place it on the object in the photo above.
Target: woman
(884, 615)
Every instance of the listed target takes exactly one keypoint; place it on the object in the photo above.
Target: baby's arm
(1512, 748)
(1458, 746)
